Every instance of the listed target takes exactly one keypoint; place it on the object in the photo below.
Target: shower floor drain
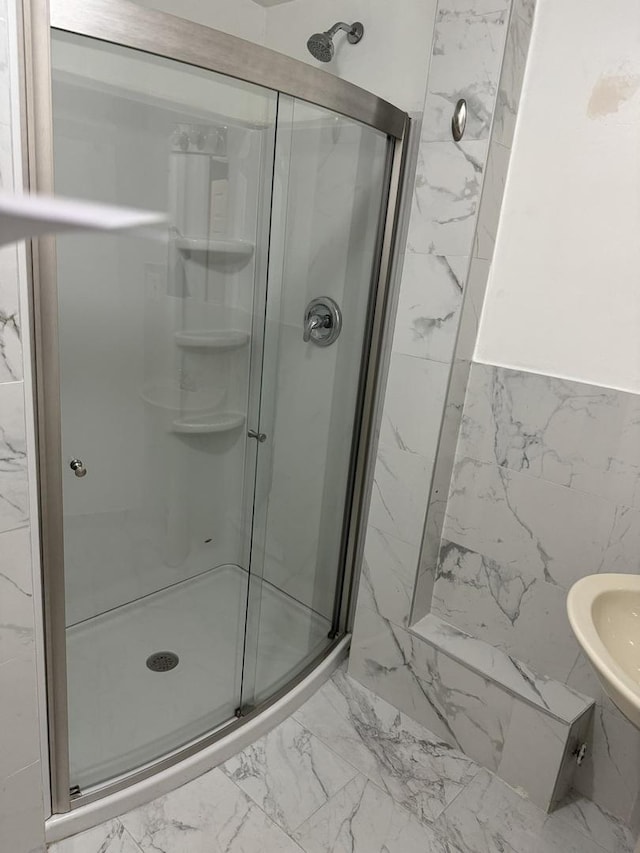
(162, 661)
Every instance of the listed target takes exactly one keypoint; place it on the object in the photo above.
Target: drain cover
(162, 661)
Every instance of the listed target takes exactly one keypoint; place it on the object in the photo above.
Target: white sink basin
(604, 612)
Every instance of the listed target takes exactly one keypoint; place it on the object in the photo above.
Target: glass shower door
(160, 350)
(210, 392)
(329, 187)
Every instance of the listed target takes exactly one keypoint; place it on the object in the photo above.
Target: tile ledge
(545, 694)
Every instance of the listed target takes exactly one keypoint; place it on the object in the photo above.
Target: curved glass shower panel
(329, 187)
(159, 344)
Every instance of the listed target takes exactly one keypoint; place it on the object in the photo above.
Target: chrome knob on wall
(322, 321)
(78, 468)
(459, 120)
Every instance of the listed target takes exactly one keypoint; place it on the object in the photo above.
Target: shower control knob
(78, 468)
(322, 321)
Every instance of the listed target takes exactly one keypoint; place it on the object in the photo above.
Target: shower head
(321, 45)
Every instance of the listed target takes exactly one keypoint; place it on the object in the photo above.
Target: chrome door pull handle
(78, 468)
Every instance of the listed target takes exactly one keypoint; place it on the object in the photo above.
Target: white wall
(391, 59)
(563, 297)
(242, 18)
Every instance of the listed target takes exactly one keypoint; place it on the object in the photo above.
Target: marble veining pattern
(418, 770)
(14, 510)
(581, 436)
(491, 816)
(446, 197)
(467, 52)
(429, 306)
(465, 710)
(534, 449)
(214, 815)
(10, 344)
(401, 479)
(499, 605)
(486, 659)
(411, 424)
(16, 594)
(512, 518)
(289, 773)
(387, 575)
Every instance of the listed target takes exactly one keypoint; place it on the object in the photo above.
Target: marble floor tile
(596, 823)
(490, 816)
(420, 772)
(465, 710)
(412, 795)
(289, 773)
(109, 837)
(363, 819)
(208, 815)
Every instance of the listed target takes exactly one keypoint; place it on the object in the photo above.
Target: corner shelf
(234, 248)
(206, 423)
(212, 339)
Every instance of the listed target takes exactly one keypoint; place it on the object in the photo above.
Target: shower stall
(205, 397)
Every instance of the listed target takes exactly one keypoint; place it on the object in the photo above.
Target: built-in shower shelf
(237, 248)
(212, 339)
(205, 423)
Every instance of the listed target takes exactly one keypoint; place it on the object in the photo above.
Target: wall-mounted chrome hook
(459, 120)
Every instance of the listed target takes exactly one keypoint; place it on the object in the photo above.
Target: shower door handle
(78, 468)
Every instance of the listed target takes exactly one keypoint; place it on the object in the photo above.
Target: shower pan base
(105, 808)
(199, 621)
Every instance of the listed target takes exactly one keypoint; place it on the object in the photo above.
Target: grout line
(333, 796)
(250, 800)
(125, 832)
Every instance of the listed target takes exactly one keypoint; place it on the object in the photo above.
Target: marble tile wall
(428, 375)
(532, 450)
(545, 491)
(466, 58)
(21, 798)
(506, 105)
(386, 656)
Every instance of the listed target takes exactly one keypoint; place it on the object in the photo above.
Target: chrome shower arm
(354, 31)
(339, 26)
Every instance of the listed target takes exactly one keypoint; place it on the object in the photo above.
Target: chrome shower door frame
(124, 23)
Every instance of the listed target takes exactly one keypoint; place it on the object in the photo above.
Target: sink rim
(580, 601)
